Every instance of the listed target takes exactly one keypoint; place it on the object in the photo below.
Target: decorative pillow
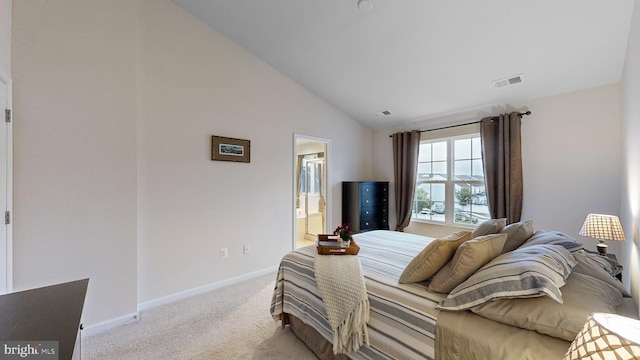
(539, 270)
(517, 233)
(582, 296)
(470, 256)
(492, 226)
(555, 238)
(589, 266)
(433, 257)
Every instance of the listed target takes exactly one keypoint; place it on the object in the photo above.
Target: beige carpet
(228, 323)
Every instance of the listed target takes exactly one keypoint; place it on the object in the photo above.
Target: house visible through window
(450, 185)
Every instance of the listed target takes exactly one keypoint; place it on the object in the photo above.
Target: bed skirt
(314, 341)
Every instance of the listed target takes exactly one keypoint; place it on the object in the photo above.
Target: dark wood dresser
(46, 317)
(365, 205)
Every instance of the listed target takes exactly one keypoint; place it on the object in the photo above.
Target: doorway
(311, 193)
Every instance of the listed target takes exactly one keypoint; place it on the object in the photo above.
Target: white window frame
(449, 135)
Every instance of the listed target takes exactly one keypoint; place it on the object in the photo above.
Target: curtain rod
(474, 122)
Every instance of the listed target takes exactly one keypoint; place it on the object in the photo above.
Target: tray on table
(328, 245)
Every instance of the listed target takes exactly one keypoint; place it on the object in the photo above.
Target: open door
(311, 190)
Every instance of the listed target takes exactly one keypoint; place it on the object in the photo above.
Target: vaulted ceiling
(419, 59)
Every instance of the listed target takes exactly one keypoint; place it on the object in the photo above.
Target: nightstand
(617, 271)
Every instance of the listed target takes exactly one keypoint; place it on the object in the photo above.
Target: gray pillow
(555, 238)
(582, 296)
(492, 226)
(517, 233)
(588, 264)
(539, 270)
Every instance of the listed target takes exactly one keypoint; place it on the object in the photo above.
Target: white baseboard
(110, 324)
(203, 289)
(122, 320)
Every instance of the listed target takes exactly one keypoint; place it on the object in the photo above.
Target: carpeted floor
(228, 323)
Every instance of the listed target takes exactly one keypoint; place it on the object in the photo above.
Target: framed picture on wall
(230, 149)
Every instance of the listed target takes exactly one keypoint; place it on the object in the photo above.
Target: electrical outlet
(247, 248)
(224, 253)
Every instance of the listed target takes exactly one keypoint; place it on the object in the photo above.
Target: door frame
(8, 271)
(323, 191)
(327, 178)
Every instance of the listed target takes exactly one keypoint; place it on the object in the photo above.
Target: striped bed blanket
(402, 320)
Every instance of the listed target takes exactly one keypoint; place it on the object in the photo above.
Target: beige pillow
(470, 256)
(582, 296)
(488, 227)
(517, 234)
(433, 257)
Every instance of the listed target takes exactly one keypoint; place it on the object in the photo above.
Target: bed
(407, 320)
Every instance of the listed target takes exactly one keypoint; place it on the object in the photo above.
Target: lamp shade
(602, 227)
(606, 336)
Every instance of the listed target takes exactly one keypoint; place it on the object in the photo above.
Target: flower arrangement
(343, 231)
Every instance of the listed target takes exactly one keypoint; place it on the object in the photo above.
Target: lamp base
(602, 248)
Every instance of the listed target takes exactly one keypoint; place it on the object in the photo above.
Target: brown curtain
(405, 168)
(502, 159)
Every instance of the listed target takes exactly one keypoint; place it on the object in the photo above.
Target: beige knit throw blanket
(344, 294)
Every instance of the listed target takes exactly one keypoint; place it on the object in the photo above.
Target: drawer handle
(366, 223)
(367, 201)
(367, 212)
(367, 190)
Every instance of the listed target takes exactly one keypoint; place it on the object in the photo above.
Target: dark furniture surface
(365, 205)
(50, 313)
(618, 270)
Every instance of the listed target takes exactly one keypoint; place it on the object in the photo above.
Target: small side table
(618, 270)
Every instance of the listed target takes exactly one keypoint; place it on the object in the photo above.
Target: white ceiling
(420, 59)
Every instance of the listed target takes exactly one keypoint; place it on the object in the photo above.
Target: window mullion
(449, 188)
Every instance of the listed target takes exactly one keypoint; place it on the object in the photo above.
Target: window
(450, 184)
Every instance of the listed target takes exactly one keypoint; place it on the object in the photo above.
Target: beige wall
(631, 157)
(74, 75)
(115, 103)
(195, 83)
(5, 38)
(571, 158)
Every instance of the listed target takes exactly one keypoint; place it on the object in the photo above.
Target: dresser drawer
(376, 223)
(365, 205)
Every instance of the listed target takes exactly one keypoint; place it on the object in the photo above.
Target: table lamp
(606, 336)
(602, 227)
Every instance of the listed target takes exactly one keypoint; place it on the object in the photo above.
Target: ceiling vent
(512, 80)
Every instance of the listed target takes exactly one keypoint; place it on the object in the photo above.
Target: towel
(341, 284)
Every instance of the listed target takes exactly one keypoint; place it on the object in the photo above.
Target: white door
(4, 141)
